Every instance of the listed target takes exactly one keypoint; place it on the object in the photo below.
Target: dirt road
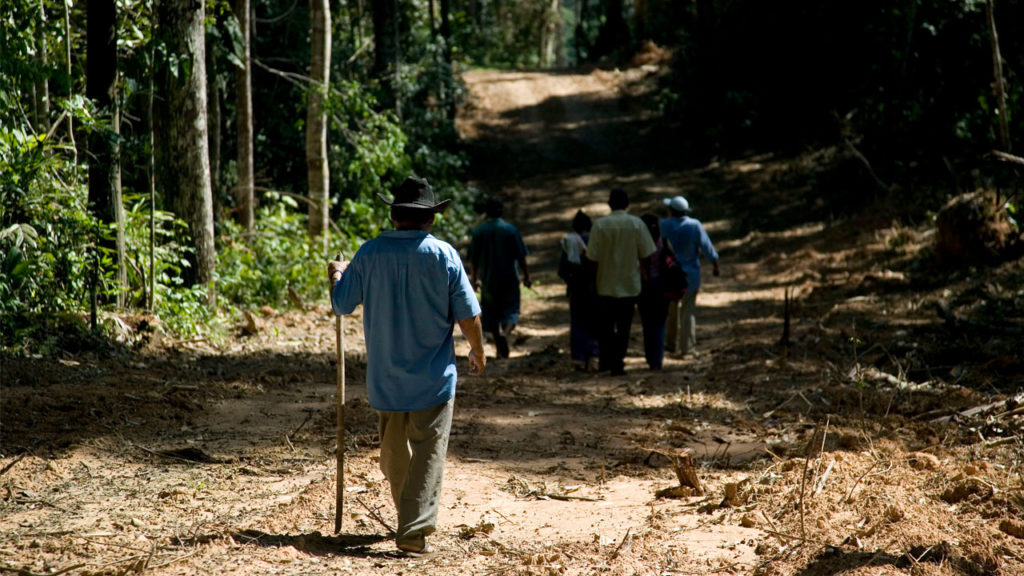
(191, 458)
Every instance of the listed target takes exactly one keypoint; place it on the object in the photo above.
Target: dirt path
(187, 458)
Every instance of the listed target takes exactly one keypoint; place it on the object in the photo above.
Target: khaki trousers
(682, 323)
(413, 446)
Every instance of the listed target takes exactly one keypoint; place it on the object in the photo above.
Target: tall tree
(70, 83)
(613, 36)
(447, 92)
(41, 102)
(1000, 81)
(183, 161)
(551, 34)
(213, 113)
(104, 152)
(244, 196)
(387, 50)
(316, 119)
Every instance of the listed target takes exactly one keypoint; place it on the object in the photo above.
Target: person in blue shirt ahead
(690, 243)
(497, 257)
(414, 289)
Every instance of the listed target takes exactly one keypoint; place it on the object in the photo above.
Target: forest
(175, 174)
(162, 156)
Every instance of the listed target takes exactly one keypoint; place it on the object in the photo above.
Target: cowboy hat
(415, 193)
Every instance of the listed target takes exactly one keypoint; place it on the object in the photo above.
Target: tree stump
(686, 472)
(971, 229)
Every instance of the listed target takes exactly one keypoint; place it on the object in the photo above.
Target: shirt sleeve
(646, 245)
(521, 246)
(706, 246)
(461, 297)
(594, 246)
(347, 293)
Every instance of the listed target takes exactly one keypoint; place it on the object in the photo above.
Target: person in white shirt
(618, 242)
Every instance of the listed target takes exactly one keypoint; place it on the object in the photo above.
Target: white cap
(678, 203)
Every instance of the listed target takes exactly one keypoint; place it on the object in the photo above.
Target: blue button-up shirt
(413, 288)
(689, 241)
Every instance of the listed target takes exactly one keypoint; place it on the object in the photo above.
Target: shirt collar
(405, 233)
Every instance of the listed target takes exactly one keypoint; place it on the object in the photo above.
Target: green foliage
(260, 269)
(368, 147)
(501, 34)
(45, 230)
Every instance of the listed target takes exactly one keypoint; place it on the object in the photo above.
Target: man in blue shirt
(413, 289)
(497, 255)
(690, 243)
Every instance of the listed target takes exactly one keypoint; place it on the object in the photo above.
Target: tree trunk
(104, 161)
(151, 177)
(559, 34)
(67, 70)
(448, 94)
(244, 195)
(613, 37)
(387, 54)
(582, 42)
(430, 21)
(316, 121)
(183, 158)
(551, 34)
(214, 122)
(42, 90)
(1000, 81)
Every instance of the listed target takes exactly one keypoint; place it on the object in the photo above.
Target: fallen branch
(823, 479)
(1006, 157)
(566, 498)
(849, 495)
(625, 538)
(376, 516)
(27, 572)
(798, 538)
(727, 568)
(808, 451)
(13, 462)
(173, 560)
(867, 166)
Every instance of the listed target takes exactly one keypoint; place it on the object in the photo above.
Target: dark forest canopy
(909, 86)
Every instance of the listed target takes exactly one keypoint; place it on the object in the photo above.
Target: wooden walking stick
(339, 496)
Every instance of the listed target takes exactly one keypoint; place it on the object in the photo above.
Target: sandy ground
(880, 439)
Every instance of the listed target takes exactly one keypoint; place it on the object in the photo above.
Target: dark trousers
(582, 336)
(616, 317)
(653, 309)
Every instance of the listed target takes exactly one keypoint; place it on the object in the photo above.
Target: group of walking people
(621, 263)
(414, 289)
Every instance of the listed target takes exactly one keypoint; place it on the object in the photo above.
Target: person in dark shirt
(497, 257)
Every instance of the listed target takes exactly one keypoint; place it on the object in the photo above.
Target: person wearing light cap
(691, 243)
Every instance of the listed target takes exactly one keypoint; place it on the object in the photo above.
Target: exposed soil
(883, 435)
